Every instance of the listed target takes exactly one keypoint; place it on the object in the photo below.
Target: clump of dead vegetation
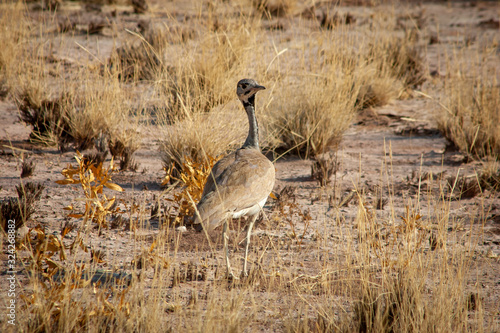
(141, 57)
(469, 186)
(27, 168)
(203, 134)
(274, 8)
(81, 116)
(324, 167)
(13, 35)
(22, 208)
(192, 177)
(199, 82)
(315, 116)
(471, 116)
(401, 58)
(310, 113)
(392, 65)
(50, 119)
(122, 146)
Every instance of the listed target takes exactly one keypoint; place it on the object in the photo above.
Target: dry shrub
(399, 304)
(141, 59)
(144, 57)
(462, 187)
(135, 62)
(402, 59)
(95, 158)
(471, 115)
(140, 6)
(377, 90)
(13, 34)
(50, 119)
(80, 115)
(323, 168)
(204, 134)
(22, 208)
(389, 66)
(487, 178)
(275, 8)
(308, 114)
(102, 109)
(379, 84)
(319, 115)
(41, 103)
(27, 168)
(206, 77)
(490, 175)
(122, 145)
(316, 121)
(331, 20)
(192, 177)
(396, 306)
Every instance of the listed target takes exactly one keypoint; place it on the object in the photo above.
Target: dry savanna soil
(390, 203)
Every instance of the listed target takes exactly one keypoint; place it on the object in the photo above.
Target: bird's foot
(244, 274)
(231, 277)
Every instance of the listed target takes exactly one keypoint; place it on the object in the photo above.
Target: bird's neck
(252, 140)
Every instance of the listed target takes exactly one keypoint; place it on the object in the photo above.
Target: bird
(240, 183)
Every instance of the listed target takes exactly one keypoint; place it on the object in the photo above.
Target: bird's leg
(249, 233)
(226, 250)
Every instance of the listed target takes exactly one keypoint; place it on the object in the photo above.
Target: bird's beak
(258, 87)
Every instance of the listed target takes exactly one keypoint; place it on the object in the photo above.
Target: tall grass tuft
(199, 117)
(13, 37)
(471, 116)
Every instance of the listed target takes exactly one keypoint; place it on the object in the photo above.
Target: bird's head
(246, 90)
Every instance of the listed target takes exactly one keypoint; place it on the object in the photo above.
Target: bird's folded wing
(240, 185)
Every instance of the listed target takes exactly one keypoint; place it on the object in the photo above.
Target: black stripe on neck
(250, 102)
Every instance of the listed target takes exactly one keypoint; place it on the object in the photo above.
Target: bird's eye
(244, 85)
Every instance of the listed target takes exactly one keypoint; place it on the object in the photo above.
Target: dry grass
(392, 282)
(307, 112)
(310, 112)
(403, 271)
(22, 208)
(66, 113)
(84, 111)
(315, 115)
(202, 80)
(13, 34)
(198, 87)
(204, 134)
(471, 116)
(275, 8)
(27, 168)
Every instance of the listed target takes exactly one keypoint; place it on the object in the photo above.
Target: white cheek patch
(246, 96)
